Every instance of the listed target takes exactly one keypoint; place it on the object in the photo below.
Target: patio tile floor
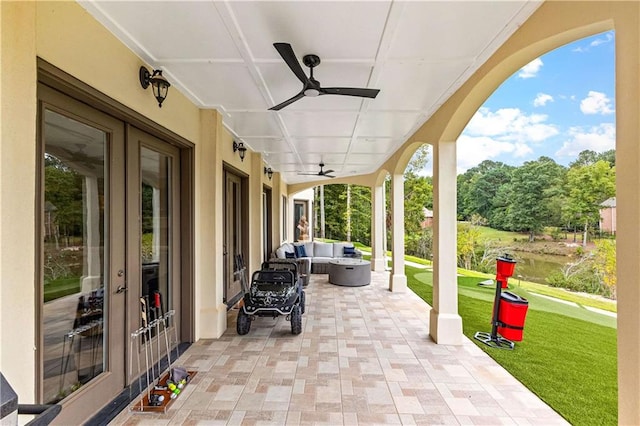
(364, 357)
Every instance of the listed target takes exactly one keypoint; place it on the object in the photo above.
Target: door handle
(121, 289)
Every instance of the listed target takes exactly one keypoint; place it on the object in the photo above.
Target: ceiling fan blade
(326, 172)
(286, 51)
(308, 174)
(287, 102)
(328, 176)
(350, 91)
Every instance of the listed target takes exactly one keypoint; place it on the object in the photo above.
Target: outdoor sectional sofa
(316, 254)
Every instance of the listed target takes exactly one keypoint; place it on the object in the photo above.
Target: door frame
(113, 377)
(58, 80)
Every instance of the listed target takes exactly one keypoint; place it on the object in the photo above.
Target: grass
(558, 293)
(60, 288)
(487, 233)
(567, 356)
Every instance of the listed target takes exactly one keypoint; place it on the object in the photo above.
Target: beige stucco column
(377, 228)
(628, 211)
(255, 212)
(397, 280)
(18, 104)
(445, 325)
(210, 311)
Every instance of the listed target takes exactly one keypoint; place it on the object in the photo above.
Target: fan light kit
(322, 172)
(310, 86)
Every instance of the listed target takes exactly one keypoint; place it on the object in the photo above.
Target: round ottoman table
(350, 272)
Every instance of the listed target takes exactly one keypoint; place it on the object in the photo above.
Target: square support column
(445, 325)
(397, 280)
(378, 219)
(628, 215)
(210, 310)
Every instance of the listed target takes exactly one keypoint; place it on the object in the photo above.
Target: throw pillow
(349, 251)
(289, 255)
(300, 251)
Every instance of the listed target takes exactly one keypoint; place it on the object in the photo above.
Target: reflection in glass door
(74, 172)
(155, 235)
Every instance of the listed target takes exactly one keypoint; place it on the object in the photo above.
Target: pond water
(536, 267)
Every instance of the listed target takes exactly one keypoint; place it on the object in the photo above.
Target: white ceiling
(220, 54)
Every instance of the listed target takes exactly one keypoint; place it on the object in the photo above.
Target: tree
(605, 264)
(334, 203)
(64, 190)
(533, 186)
(588, 187)
(468, 237)
(588, 157)
(419, 160)
(478, 188)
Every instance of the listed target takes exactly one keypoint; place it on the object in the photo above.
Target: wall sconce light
(159, 84)
(239, 147)
(268, 172)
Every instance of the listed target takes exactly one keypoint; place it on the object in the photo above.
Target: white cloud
(598, 138)
(505, 131)
(596, 103)
(542, 99)
(471, 150)
(606, 38)
(510, 125)
(531, 69)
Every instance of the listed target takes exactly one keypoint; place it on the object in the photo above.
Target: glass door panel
(155, 232)
(74, 255)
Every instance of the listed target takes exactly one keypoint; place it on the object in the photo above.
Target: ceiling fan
(310, 86)
(322, 172)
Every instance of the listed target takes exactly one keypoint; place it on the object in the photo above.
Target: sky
(558, 105)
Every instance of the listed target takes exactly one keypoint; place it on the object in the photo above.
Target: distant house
(428, 218)
(608, 216)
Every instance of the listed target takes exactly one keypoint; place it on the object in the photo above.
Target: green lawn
(60, 288)
(567, 356)
(487, 233)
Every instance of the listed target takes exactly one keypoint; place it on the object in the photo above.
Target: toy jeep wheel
(302, 302)
(244, 322)
(296, 320)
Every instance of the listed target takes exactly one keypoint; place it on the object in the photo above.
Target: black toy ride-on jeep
(275, 290)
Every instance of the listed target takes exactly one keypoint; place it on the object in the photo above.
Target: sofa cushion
(338, 249)
(321, 249)
(317, 259)
(308, 248)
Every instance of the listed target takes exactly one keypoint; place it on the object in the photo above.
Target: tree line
(538, 194)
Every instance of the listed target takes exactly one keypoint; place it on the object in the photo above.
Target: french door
(109, 223)
(234, 236)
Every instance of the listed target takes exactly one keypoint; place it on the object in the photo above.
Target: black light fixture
(159, 84)
(268, 172)
(239, 147)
